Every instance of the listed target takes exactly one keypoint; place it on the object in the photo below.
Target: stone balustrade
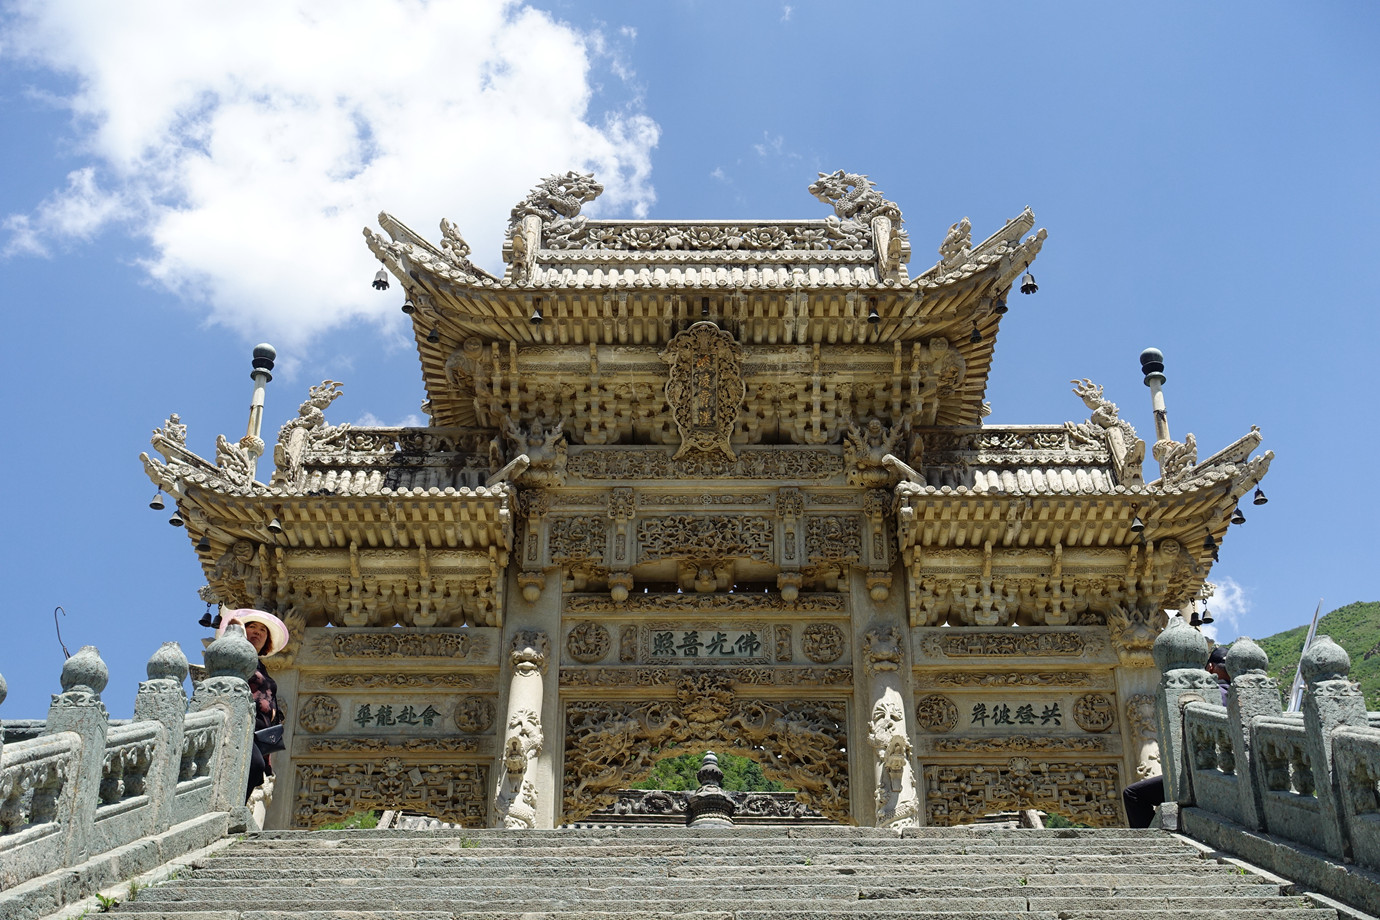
(1297, 792)
(112, 799)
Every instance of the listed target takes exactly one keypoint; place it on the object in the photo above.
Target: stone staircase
(755, 873)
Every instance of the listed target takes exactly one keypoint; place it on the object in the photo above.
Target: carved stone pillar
(1132, 630)
(78, 708)
(515, 805)
(621, 512)
(1253, 694)
(1180, 654)
(162, 699)
(1331, 700)
(790, 505)
(897, 802)
(230, 662)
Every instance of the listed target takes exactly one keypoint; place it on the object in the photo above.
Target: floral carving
(656, 463)
(474, 715)
(1087, 793)
(319, 714)
(705, 389)
(456, 793)
(1017, 744)
(1043, 644)
(1094, 712)
(936, 713)
(822, 643)
(587, 642)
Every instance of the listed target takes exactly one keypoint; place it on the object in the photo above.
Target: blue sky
(182, 182)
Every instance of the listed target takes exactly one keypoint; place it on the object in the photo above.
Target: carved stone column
(1331, 700)
(1253, 694)
(78, 708)
(162, 699)
(1132, 630)
(230, 662)
(1180, 653)
(897, 802)
(515, 805)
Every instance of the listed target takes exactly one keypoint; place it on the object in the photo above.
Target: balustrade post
(1253, 694)
(1331, 700)
(78, 708)
(162, 698)
(1180, 653)
(230, 662)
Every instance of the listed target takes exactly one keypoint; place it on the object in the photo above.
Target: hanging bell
(381, 280)
(1137, 525)
(1209, 544)
(409, 307)
(176, 519)
(205, 621)
(873, 316)
(1028, 285)
(1259, 498)
(275, 526)
(1000, 306)
(704, 306)
(156, 503)
(434, 335)
(1206, 618)
(536, 318)
(1236, 516)
(1194, 619)
(203, 545)
(976, 335)
(215, 622)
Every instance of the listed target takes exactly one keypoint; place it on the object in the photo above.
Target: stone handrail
(75, 797)
(1309, 778)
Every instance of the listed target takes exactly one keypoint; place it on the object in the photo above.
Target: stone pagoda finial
(709, 805)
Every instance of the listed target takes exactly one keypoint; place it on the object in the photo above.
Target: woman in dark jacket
(268, 635)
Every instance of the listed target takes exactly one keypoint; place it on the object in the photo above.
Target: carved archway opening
(675, 771)
(1084, 793)
(610, 744)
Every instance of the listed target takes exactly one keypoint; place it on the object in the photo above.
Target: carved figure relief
(833, 538)
(895, 798)
(517, 796)
(578, 539)
(538, 455)
(1018, 744)
(408, 645)
(587, 642)
(627, 645)
(1006, 644)
(1133, 630)
(1094, 712)
(936, 713)
(319, 714)
(474, 715)
(802, 742)
(883, 650)
(237, 574)
(691, 536)
(822, 643)
(866, 449)
(705, 390)
(1140, 715)
(653, 463)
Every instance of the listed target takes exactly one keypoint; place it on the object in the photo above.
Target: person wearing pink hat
(268, 635)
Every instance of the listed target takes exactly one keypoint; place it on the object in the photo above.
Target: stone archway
(611, 743)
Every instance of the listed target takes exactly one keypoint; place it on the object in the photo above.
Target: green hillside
(1355, 627)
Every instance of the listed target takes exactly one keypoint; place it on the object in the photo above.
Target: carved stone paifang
(1088, 793)
(705, 389)
(455, 793)
(612, 744)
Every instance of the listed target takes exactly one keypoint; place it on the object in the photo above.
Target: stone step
(871, 885)
(806, 912)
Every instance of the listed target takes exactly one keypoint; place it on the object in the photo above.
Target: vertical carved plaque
(705, 389)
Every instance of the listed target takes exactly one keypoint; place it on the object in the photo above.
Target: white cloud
(1229, 605)
(786, 11)
(250, 142)
(370, 420)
